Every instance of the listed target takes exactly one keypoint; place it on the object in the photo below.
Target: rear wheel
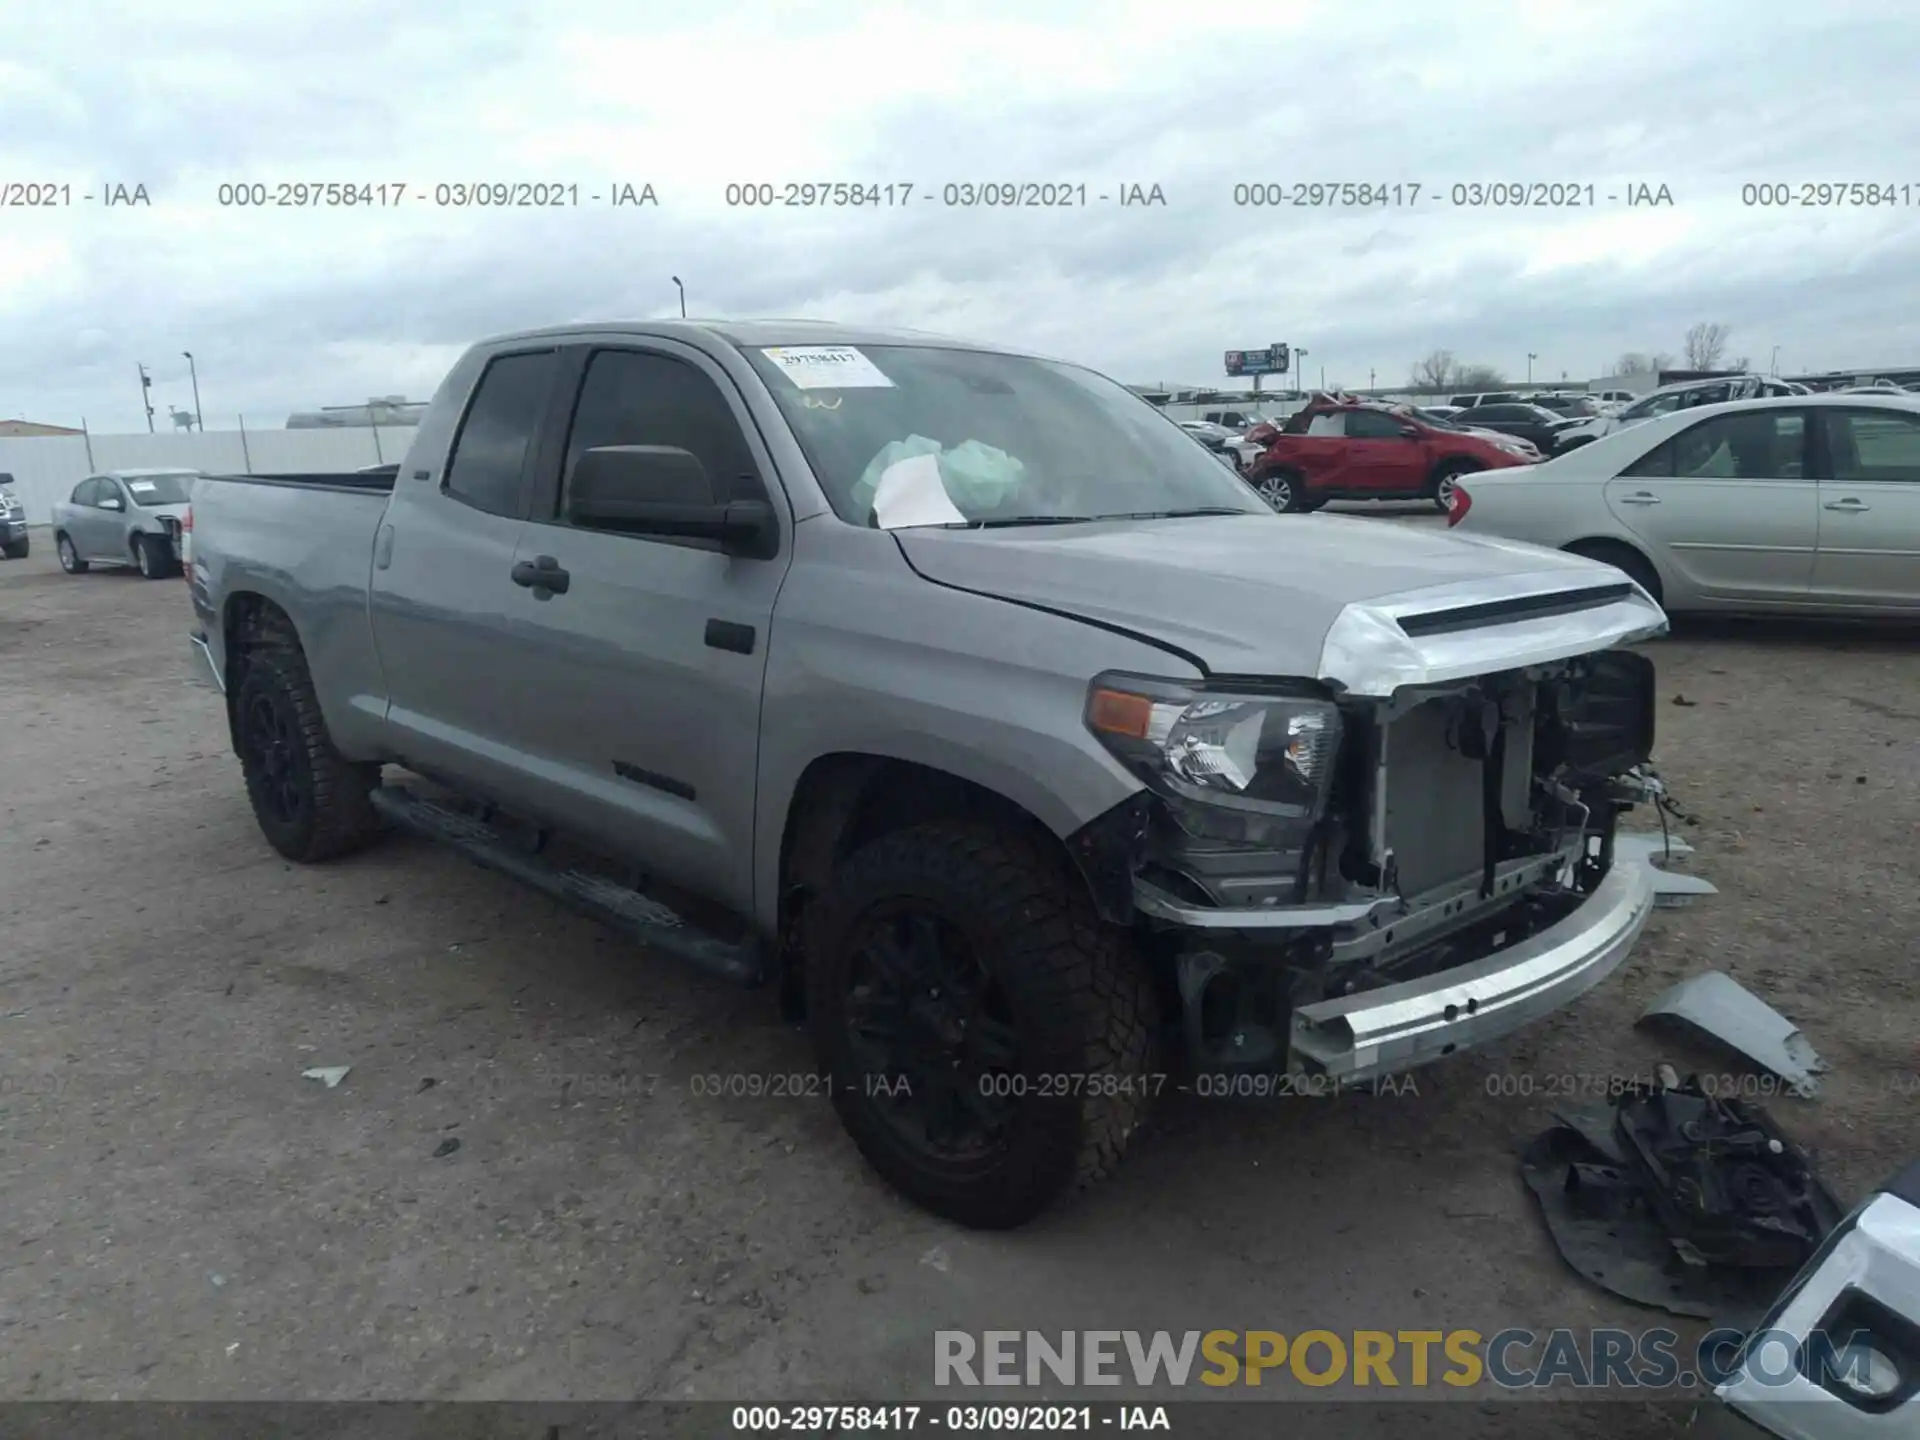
(990, 1040)
(310, 801)
(1284, 490)
(1440, 488)
(70, 560)
(1624, 558)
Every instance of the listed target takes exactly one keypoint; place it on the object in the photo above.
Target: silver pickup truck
(956, 693)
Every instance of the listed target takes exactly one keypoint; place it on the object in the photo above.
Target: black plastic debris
(1679, 1200)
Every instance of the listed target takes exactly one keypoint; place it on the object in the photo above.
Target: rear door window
(1867, 446)
(492, 453)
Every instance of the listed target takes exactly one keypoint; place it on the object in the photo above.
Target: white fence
(45, 468)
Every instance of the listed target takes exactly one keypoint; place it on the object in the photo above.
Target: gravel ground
(188, 1218)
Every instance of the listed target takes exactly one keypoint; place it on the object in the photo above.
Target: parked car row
(1684, 395)
(1777, 503)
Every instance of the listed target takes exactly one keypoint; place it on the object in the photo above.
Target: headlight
(1272, 755)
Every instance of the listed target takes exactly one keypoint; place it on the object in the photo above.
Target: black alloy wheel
(273, 757)
(931, 1028)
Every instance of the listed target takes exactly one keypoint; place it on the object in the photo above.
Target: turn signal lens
(1458, 504)
(1119, 713)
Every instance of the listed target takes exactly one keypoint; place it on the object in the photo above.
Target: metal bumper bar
(1394, 1028)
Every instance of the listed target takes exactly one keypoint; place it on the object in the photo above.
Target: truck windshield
(903, 435)
(151, 490)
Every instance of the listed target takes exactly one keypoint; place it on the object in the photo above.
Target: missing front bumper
(1356, 1038)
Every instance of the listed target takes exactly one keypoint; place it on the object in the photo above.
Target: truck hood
(1362, 606)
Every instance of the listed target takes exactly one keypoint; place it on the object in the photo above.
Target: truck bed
(305, 544)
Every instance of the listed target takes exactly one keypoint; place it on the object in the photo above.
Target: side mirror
(113, 502)
(1410, 431)
(662, 490)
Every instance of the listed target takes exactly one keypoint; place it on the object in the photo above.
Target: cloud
(288, 307)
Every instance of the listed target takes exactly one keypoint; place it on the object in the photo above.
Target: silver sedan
(124, 517)
(1802, 503)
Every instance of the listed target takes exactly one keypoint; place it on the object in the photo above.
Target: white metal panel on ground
(45, 468)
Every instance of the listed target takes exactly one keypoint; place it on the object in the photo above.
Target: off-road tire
(1081, 1000)
(16, 549)
(70, 560)
(335, 816)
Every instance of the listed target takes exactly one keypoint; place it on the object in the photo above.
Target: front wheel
(151, 556)
(1283, 490)
(1444, 481)
(990, 1041)
(70, 560)
(17, 549)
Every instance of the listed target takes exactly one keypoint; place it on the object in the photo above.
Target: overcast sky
(290, 309)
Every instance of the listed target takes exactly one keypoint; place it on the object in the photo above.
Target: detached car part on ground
(124, 517)
(1805, 504)
(1340, 448)
(977, 708)
(1838, 1355)
(14, 544)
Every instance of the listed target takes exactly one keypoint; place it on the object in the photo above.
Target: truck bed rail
(378, 481)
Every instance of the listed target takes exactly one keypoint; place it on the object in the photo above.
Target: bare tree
(1742, 363)
(1660, 361)
(1632, 363)
(1435, 372)
(1478, 377)
(1705, 344)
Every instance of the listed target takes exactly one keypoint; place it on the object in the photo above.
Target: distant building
(380, 410)
(15, 429)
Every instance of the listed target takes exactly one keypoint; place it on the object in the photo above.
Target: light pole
(1531, 357)
(683, 295)
(1774, 367)
(198, 423)
(146, 394)
(1370, 374)
(1300, 353)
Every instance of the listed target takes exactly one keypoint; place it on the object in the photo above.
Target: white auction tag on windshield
(827, 367)
(141, 487)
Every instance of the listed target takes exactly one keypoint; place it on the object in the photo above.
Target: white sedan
(1803, 503)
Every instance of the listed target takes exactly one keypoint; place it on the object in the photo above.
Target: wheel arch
(250, 622)
(845, 800)
(1597, 547)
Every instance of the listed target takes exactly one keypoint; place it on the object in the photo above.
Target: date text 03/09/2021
(1205, 1085)
(975, 194)
(967, 1419)
(1337, 194)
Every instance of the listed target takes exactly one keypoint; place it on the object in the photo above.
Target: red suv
(1339, 448)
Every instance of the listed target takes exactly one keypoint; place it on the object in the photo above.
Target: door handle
(543, 572)
(1849, 504)
(1640, 497)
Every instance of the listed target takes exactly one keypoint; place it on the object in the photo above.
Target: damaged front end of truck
(1410, 854)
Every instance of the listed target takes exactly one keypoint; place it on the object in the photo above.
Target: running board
(627, 910)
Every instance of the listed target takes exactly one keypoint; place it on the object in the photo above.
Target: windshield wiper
(1001, 522)
(1194, 512)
